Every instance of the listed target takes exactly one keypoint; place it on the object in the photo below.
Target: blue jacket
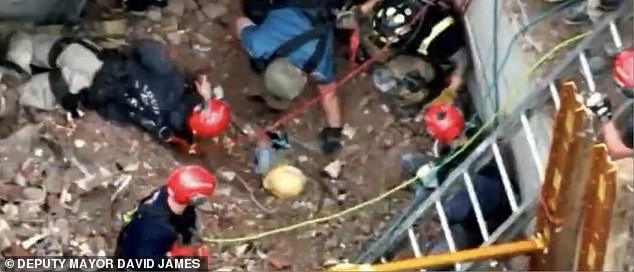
(281, 25)
(154, 228)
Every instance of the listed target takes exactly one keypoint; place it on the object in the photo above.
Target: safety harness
(321, 19)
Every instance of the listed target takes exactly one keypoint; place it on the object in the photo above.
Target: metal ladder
(423, 204)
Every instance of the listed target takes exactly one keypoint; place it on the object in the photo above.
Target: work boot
(609, 5)
(577, 15)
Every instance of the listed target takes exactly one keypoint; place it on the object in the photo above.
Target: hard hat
(284, 82)
(190, 184)
(285, 181)
(444, 122)
(623, 68)
(394, 19)
(210, 119)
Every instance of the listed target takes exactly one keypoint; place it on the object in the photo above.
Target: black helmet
(394, 19)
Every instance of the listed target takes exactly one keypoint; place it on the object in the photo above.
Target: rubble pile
(46, 193)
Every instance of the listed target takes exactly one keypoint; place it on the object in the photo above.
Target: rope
(404, 184)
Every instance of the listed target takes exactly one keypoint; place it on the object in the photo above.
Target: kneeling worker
(164, 222)
(289, 43)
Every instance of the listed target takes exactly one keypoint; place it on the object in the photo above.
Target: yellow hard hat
(285, 181)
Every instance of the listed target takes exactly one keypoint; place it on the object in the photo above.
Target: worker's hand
(203, 87)
(455, 83)
(330, 139)
(600, 105)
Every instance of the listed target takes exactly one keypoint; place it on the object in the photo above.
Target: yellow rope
(406, 183)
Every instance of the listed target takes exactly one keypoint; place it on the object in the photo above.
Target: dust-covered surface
(64, 187)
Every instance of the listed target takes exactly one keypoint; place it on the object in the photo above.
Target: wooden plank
(559, 216)
(599, 202)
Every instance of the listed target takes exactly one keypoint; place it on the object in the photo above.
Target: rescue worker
(164, 222)
(286, 42)
(143, 89)
(428, 39)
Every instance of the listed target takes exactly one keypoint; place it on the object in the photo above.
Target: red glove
(195, 250)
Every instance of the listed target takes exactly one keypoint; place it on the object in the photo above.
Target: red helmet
(623, 68)
(444, 122)
(189, 184)
(210, 120)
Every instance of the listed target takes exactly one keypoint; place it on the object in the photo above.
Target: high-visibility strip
(435, 31)
(482, 253)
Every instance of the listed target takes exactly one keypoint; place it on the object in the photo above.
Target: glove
(600, 105)
(194, 250)
(330, 139)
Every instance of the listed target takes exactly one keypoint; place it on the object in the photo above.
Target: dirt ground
(240, 206)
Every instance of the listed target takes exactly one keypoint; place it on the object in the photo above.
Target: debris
(252, 196)
(154, 14)
(10, 192)
(121, 183)
(201, 48)
(331, 262)
(227, 175)
(10, 211)
(170, 24)
(333, 169)
(385, 108)
(302, 158)
(226, 269)
(278, 262)
(349, 131)
(111, 28)
(174, 37)
(201, 39)
(19, 146)
(175, 7)
(241, 249)
(33, 195)
(7, 238)
(131, 167)
(79, 143)
(28, 243)
(29, 211)
(214, 10)
(53, 182)
(219, 92)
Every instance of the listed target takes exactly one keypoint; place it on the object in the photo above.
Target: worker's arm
(252, 37)
(612, 138)
(460, 59)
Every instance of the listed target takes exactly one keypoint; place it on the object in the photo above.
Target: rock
(240, 250)
(79, 143)
(227, 175)
(277, 261)
(175, 7)
(154, 14)
(333, 169)
(111, 28)
(53, 181)
(34, 195)
(349, 131)
(7, 238)
(332, 242)
(190, 5)
(54, 205)
(10, 211)
(200, 39)
(365, 228)
(10, 192)
(61, 228)
(19, 146)
(29, 211)
(170, 24)
(214, 10)
(174, 38)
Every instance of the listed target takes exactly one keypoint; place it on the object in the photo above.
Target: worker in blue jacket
(164, 223)
(288, 41)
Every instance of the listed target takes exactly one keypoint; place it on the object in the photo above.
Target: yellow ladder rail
(482, 253)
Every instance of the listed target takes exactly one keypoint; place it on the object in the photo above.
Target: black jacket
(144, 90)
